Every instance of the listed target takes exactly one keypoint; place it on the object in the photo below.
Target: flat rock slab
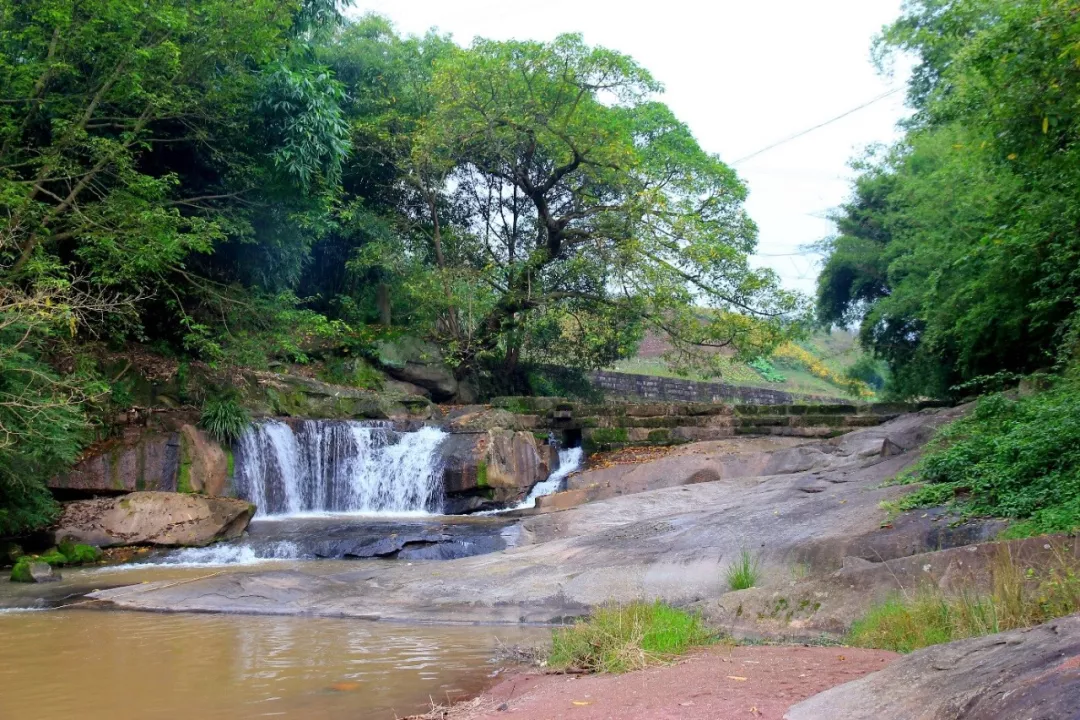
(720, 683)
(1032, 674)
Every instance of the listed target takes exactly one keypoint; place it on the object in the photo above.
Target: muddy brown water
(110, 665)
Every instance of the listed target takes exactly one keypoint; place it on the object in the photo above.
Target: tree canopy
(959, 252)
(242, 183)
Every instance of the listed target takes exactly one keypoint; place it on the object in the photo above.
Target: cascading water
(315, 466)
(569, 461)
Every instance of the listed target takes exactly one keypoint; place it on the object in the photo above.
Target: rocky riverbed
(808, 511)
(817, 508)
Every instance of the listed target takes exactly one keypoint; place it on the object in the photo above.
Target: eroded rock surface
(1032, 673)
(154, 518)
(671, 543)
(493, 468)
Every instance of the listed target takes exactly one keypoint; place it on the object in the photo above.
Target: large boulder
(416, 361)
(494, 468)
(205, 466)
(153, 518)
(1032, 673)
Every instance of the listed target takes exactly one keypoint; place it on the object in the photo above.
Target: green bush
(744, 573)
(224, 418)
(629, 637)
(1011, 457)
(766, 370)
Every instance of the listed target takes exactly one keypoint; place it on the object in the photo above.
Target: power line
(798, 135)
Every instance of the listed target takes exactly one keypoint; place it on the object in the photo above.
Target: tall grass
(224, 418)
(744, 573)
(628, 637)
(1020, 597)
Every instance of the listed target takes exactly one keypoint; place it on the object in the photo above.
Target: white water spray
(313, 467)
(569, 462)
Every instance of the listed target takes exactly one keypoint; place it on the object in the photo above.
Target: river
(75, 662)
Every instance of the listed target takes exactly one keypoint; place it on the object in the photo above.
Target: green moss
(77, 553)
(481, 474)
(183, 475)
(21, 571)
(660, 436)
(602, 436)
(231, 462)
(53, 557)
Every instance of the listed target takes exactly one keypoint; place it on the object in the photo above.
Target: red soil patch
(716, 684)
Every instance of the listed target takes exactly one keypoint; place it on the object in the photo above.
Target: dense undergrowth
(1012, 457)
(1019, 597)
(629, 637)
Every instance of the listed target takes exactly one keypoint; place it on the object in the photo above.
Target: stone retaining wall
(612, 424)
(648, 387)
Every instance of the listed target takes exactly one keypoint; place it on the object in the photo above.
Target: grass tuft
(1021, 597)
(744, 573)
(628, 637)
(224, 419)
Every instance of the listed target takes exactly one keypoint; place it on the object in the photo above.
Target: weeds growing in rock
(628, 637)
(1020, 597)
(224, 419)
(744, 573)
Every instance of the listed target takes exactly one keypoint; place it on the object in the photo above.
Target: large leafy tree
(135, 139)
(960, 250)
(592, 212)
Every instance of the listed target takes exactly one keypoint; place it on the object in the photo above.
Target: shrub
(744, 572)
(224, 418)
(1011, 457)
(629, 637)
(1020, 597)
(766, 370)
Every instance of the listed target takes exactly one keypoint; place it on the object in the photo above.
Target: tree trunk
(382, 300)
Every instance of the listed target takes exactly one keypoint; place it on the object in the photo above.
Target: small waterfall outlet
(322, 466)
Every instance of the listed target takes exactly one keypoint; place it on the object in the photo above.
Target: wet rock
(34, 572)
(1032, 673)
(154, 518)
(204, 464)
(335, 538)
(493, 468)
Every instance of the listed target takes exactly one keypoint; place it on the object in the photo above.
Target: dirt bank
(719, 683)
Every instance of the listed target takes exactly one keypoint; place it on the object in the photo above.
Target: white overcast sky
(742, 74)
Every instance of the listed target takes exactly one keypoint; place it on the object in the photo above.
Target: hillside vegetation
(258, 183)
(829, 363)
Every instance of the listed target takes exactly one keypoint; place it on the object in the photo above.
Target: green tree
(591, 207)
(959, 250)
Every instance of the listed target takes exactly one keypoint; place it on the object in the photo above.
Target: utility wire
(798, 135)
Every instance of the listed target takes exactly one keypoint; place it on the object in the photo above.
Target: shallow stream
(94, 665)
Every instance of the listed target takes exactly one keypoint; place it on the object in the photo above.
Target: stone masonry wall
(648, 387)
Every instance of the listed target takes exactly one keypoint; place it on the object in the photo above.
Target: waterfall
(569, 462)
(316, 466)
